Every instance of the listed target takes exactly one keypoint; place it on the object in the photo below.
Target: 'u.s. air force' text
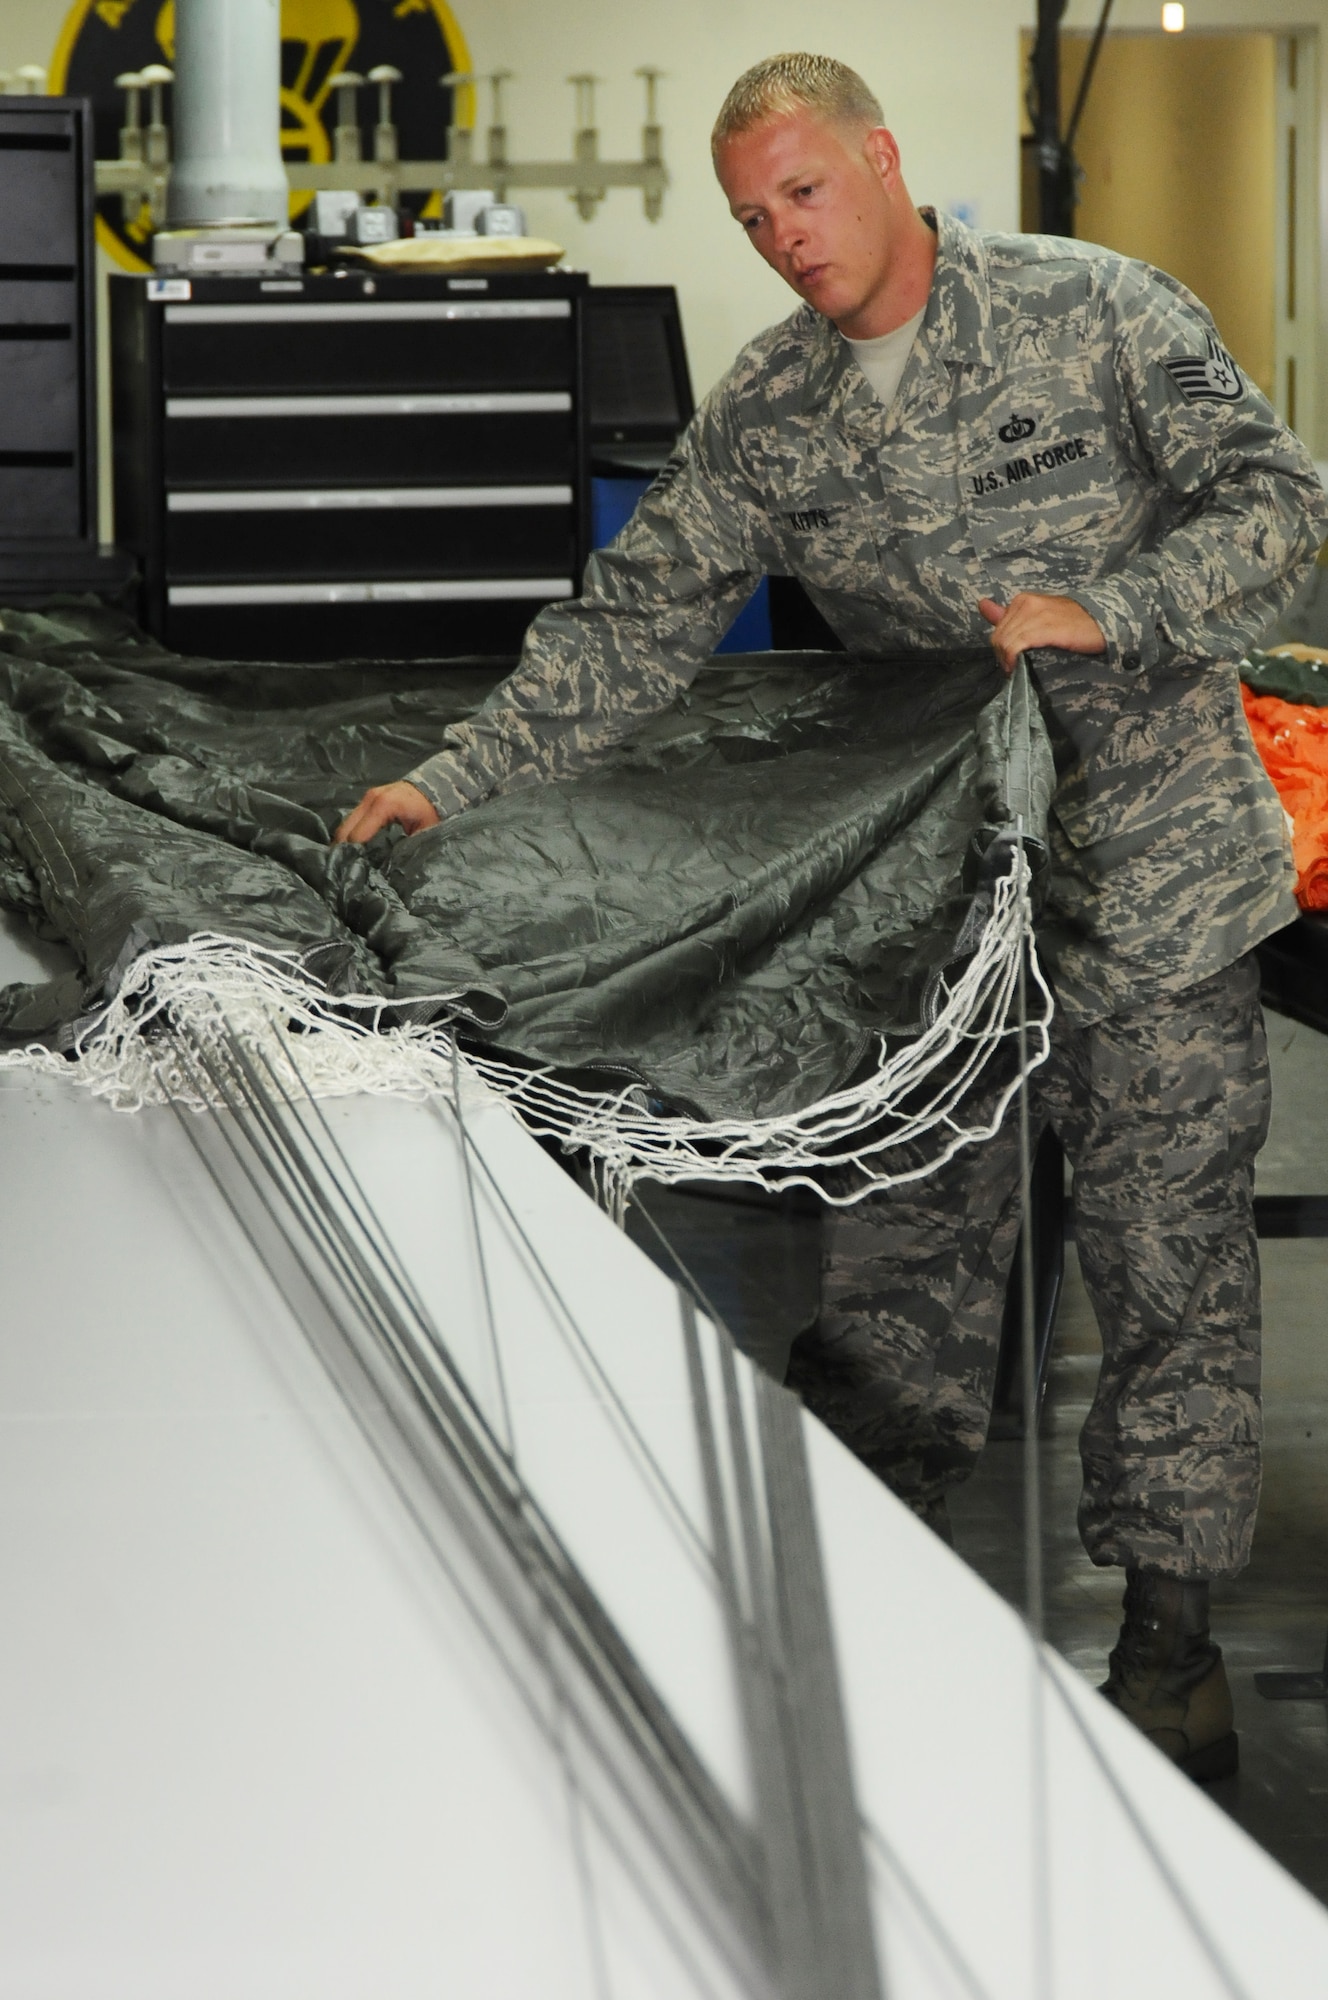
(1017, 470)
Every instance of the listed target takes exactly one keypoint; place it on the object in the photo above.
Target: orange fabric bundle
(1293, 742)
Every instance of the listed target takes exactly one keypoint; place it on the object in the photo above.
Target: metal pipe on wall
(228, 165)
(1055, 172)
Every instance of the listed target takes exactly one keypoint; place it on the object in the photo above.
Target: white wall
(28, 29)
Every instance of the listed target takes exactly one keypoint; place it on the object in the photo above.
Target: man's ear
(882, 154)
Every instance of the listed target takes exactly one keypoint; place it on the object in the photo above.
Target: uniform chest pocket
(1051, 493)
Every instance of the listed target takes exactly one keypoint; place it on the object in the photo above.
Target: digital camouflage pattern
(1162, 1112)
(1066, 423)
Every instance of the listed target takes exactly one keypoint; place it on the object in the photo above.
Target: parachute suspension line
(331, 1046)
(1040, 1902)
(912, 1099)
(796, 1884)
(482, 1263)
(578, 1840)
(587, 1361)
(548, 1632)
(781, 1641)
(1033, 1581)
(820, 1936)
(1045, 1674)
(592, 1915)
(1191, 1915)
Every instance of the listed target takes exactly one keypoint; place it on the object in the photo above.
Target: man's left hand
(382, 805)
(1028, 620)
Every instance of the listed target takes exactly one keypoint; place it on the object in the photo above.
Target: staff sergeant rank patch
(1212, 378)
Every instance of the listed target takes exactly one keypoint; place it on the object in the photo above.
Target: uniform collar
(956, 331)
(958, 323)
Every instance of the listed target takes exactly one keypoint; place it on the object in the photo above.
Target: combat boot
(1167, 1676)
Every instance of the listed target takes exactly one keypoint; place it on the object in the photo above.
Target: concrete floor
(759, 1269)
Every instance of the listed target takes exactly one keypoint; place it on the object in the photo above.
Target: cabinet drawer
(401, 345)
(403, 532)
(366, 440)
(375, 631)
(39, 389)
(40, 500)
(39, 214)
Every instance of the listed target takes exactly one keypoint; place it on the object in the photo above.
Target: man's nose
(787, 232)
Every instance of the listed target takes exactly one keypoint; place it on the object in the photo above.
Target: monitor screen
(636, 367)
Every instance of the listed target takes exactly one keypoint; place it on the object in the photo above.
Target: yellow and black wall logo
(102, 39)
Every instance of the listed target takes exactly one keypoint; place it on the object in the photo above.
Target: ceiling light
(1173, 18)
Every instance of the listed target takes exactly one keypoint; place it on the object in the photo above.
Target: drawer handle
(543, 402)
(449, 590)
(278, 500)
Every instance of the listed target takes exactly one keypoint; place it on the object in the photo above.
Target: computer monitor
(638, 387)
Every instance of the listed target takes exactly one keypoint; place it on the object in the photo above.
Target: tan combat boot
(1167, 1676)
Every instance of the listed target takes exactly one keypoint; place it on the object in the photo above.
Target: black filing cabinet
(388, 467)
(48, 472)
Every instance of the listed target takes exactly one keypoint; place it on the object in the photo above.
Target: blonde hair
(795, 82)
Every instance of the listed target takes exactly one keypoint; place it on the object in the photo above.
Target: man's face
(815, 199)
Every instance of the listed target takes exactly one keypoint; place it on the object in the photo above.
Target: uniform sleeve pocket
(1120, 827)
(1179, 759)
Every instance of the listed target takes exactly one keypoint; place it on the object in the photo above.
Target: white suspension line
(912, 1099)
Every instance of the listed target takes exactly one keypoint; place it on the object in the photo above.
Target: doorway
(1196, 154)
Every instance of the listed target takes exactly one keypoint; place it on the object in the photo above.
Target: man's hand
(403, 802)
(1028, 620)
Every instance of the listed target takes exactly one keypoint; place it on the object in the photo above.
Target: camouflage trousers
(1161, 1113)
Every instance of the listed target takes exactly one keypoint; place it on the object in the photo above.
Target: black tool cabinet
(48, 438)
(389, 467)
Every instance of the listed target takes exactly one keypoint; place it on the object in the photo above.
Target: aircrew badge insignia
(1210, 378)
(1017, 429)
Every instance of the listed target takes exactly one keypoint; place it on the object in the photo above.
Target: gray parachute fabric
(731, 919)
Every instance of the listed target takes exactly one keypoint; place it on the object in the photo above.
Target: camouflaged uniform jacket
(1067, 423)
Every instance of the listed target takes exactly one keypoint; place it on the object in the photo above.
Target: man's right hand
(381, 805)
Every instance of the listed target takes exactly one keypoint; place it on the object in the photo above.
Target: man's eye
(750, 222)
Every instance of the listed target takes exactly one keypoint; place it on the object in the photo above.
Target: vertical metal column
(228, 164)
(1055, 174)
